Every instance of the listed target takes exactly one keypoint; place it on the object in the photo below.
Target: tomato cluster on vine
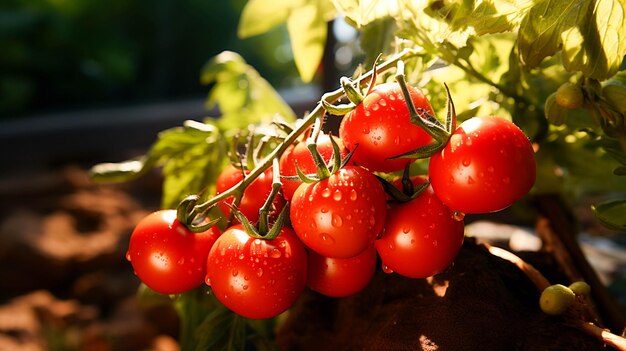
(335, 211)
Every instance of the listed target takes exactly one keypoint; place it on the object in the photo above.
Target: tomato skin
(299, 154)
(166, 256)
(487, 165)
(340, 277)
(254, 196)
(339, 216)
(421, 237)
(381, 128)
(257, 278)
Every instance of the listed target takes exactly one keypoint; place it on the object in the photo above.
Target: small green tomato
(569, 96)
(556, 299)
(580, 288)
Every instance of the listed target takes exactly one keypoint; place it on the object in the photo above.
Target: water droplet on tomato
(326, 192)
(372, 220)
(374, 107)
(245, 287)
(365, 130)
(386, 269)
(207, 280)
(181, 261)
(353, 195)
(392, 246)
(336, 221)
(435, 243)
(128, 256)
(392, 97)
(470, 180)
(506, 180)
(490, 169)
(382, 102)
(396, 140)
(466, 162)
(432, 226)
(275, 253)
(235, 272)
(468, 141)
(259, 272)
(327, 239)
(241, 256)
(323, 210)
(406, 230)
(337, 195)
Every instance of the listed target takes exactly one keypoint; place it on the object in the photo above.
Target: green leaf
(590, 33)
(259, 16)
(307, 32)
(612, 214)
(376, 37)
(120, 172)
(241, 94)
(360, 13)
(191, 159)
(494, 16)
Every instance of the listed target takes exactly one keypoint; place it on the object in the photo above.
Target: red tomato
(257, 278)
(487, 165)
(421, 237)
(339, 277)
(339, 216)
(381, 128)
(300, 155)
(166, 256)
(254, 196)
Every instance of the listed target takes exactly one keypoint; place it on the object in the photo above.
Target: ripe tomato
(421, 237)
(254, 196)
(166, 256)
(300, 155)
(381, 128)
(487, 165)
(257, 278)
(339, 277)
(339, 216)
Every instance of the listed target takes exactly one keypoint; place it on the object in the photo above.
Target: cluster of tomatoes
(342, 224)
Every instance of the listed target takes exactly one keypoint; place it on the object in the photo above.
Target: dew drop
(275, 253)
(506, 180)
(466, 162)
(327, 239)
(242, 256)
(396, 140)
(470, 180)
(392, 246)
(374, 107)
(490, 169)
(365, 130)
(432, 226)
(353, 195)
(406, 230)
(323, 210)
(382, 102)
(336, 221)
(435, 243)
(392, 97)
(245, 287)
(468, 141)
(235, 272)
(372, 220)
(386, 269)
(337, 195)
(128, 256)
(207, 280)
(181, 261)
(259, 272)
(326, 192)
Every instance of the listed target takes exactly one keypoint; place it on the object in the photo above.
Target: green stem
(317, 112)
(267, 206)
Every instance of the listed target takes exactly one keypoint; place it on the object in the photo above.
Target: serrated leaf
(590, 33)
(259, 16)
(307, 33)
(376, 37)
(242, 95)
(612, 214)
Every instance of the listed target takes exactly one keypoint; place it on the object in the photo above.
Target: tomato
(421, 237)
(166, 256)
(339, 277)
(257, 278)
(487, 165)
(254, 196)
(299, 154)
(381, 128)
(339, 216)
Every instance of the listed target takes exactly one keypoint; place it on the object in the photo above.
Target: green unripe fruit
(556, 299)
(580, 288)
(569, 95)
(554, 113)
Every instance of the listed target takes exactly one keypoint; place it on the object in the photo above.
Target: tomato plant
(381, 128)
(339, 277)
(253, 197)
(166, 256)
(487, 165)
(339, 216)
(300, 155)
(257, 278)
